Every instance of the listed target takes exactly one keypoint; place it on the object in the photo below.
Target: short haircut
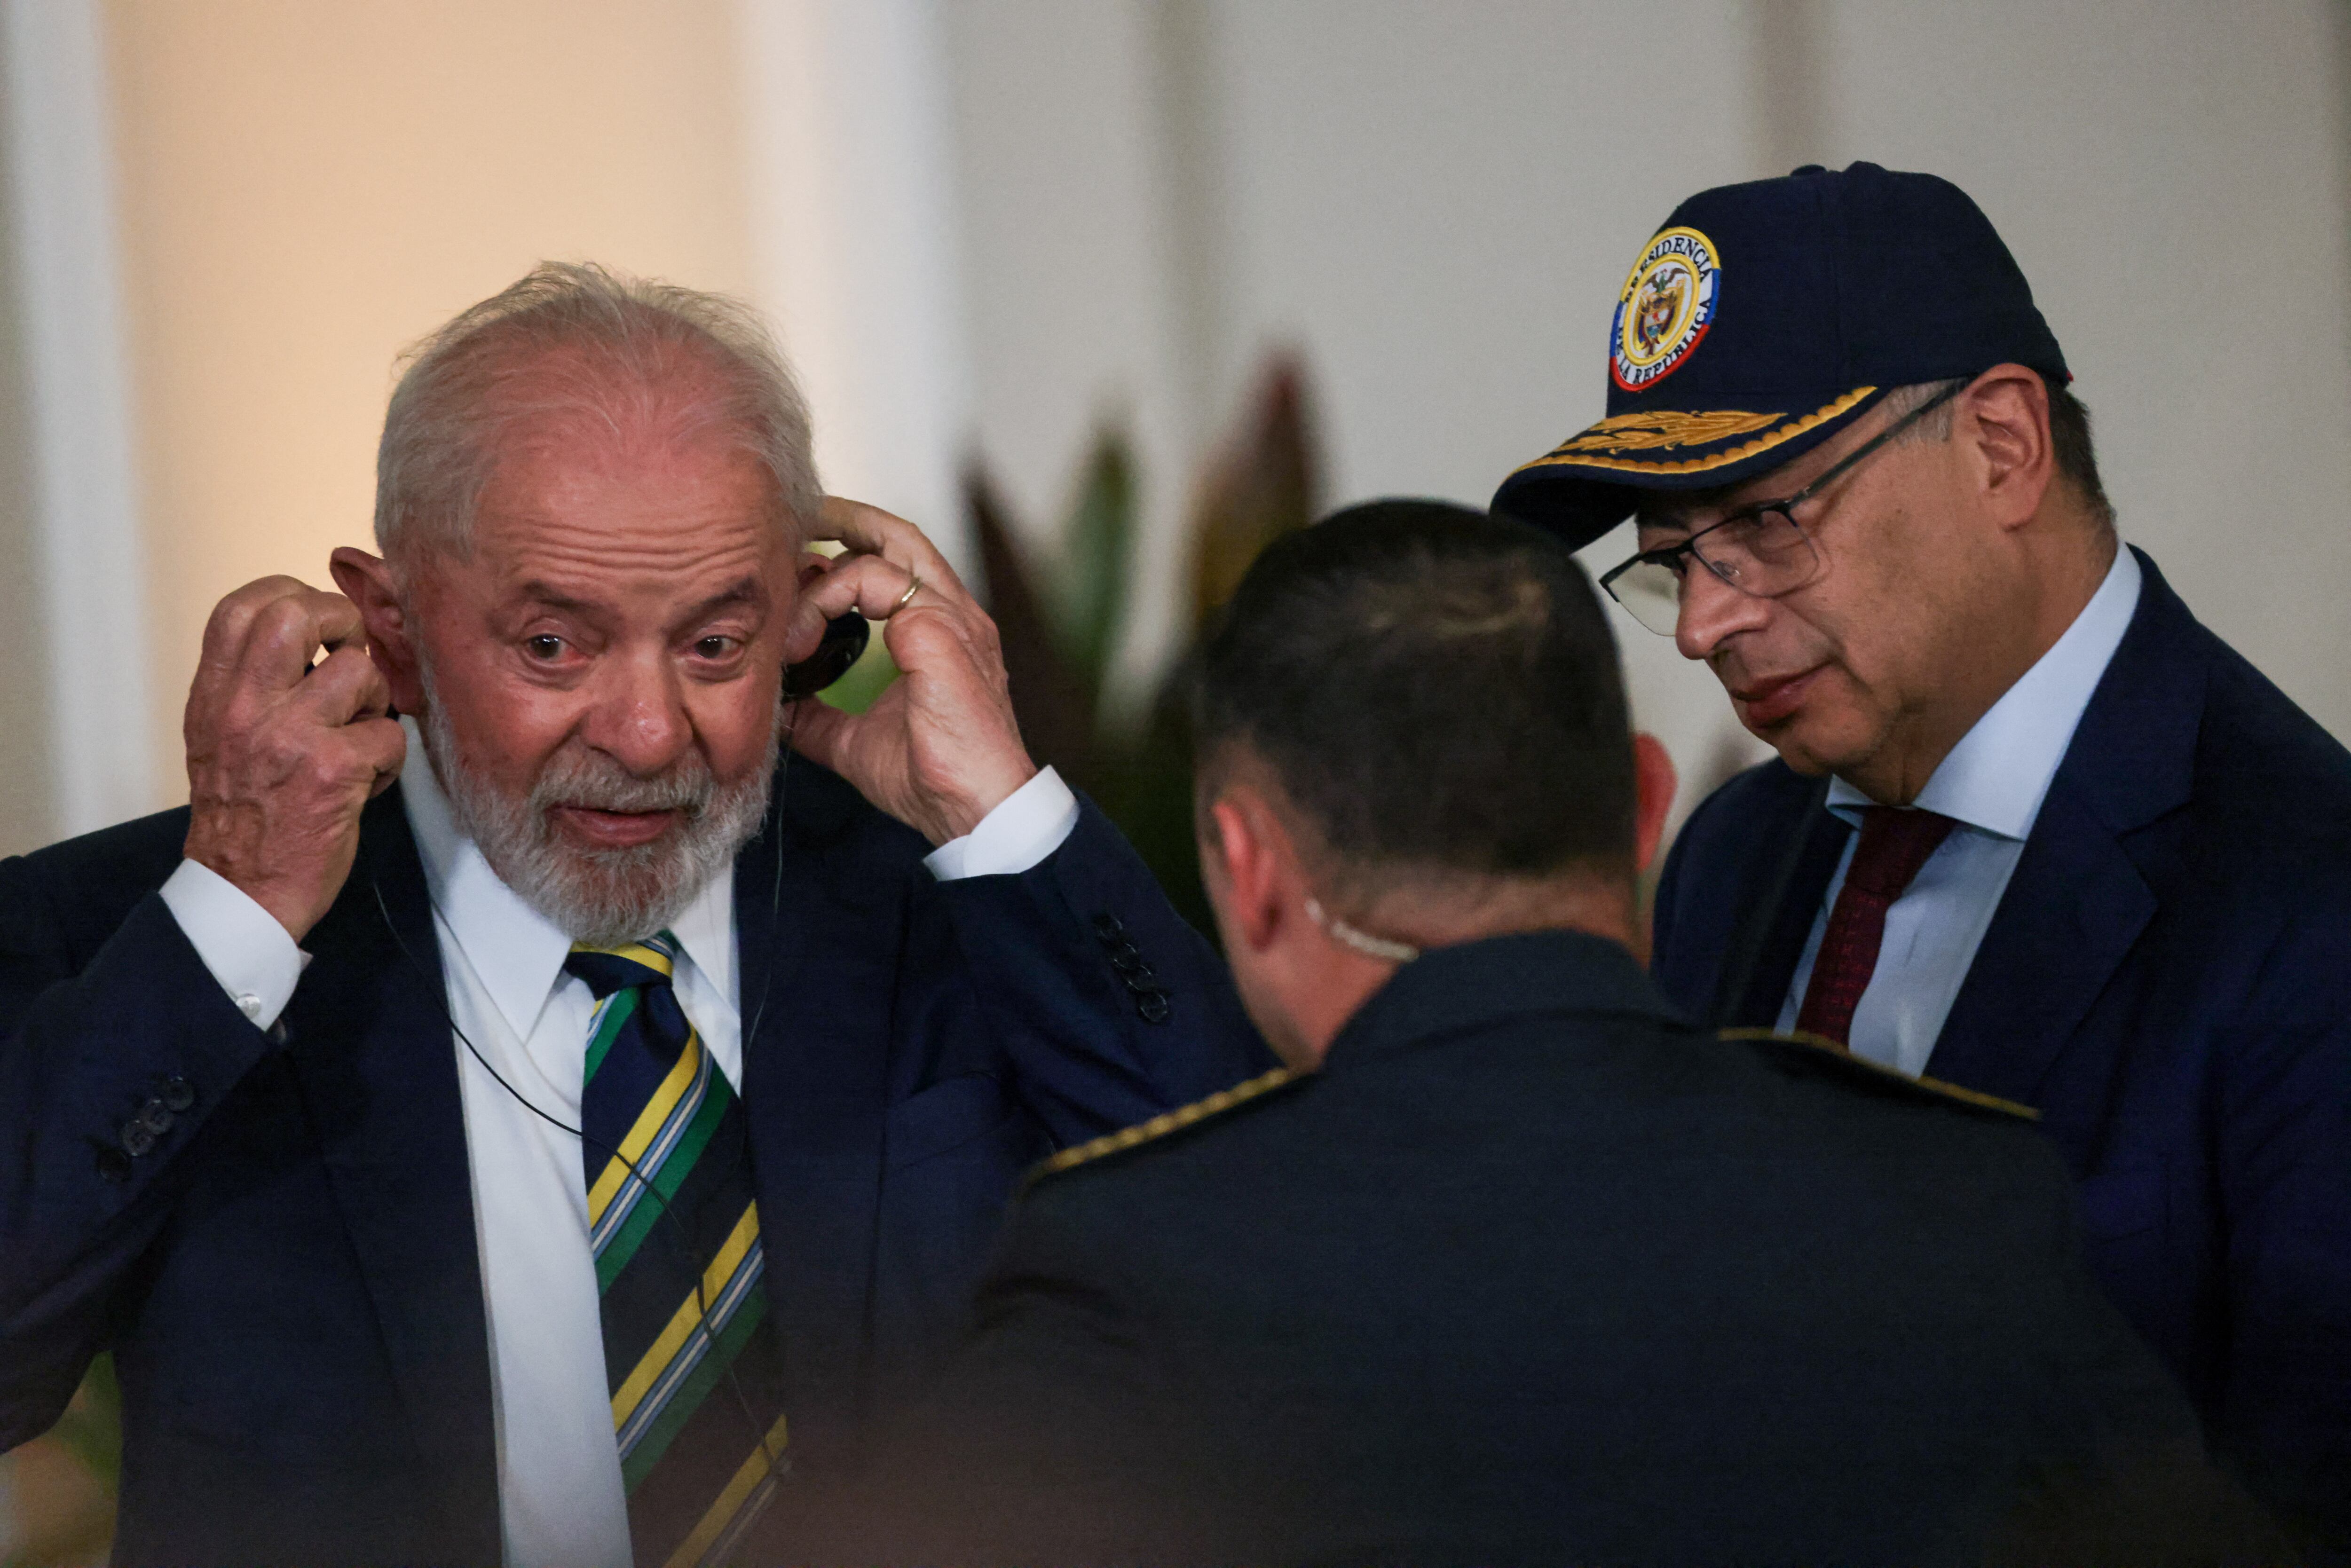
(2070, 447)
(619, 343)
(1435, 690)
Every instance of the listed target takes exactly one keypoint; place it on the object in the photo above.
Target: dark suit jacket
(2168, 979)
(288, 1277)
(1531, 1271)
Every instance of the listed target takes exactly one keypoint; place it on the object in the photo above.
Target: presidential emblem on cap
(1666, 305)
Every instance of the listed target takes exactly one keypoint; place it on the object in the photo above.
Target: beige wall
(308, 187)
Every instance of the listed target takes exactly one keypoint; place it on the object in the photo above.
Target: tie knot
(1894, 843)
(651, 962)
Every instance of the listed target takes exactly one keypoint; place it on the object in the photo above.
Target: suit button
(155, 1118)
(114, 1165)
(1108, 928)
(178, 1093)
(136, 1139)
(1155, 1006)
(1129, 962)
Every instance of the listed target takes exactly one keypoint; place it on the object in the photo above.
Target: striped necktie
(696, 1377)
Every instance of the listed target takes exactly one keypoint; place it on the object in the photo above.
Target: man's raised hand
(283, 757)
(940, 749)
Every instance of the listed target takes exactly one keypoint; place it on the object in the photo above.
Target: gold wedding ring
(914, 586)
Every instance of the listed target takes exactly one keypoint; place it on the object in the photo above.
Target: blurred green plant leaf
(1054, 701)
(1097, 537)
(1263, 484)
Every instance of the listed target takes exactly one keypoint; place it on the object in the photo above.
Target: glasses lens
(1764, 554)
(1653, 593)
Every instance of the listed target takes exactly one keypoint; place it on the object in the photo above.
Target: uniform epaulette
(1810, 1052)
(1159, 1126)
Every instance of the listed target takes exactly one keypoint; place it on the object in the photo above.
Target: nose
(639, 718)
(1712, 610)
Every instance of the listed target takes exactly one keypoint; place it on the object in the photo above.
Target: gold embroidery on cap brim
(1668, 427)
(1789, 431)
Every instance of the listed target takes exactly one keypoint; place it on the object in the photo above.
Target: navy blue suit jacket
(287, 1273)
(2168, 979)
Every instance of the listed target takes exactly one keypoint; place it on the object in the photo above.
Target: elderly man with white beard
(552, 1079)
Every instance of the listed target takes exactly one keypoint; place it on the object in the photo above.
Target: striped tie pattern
(697, 1379)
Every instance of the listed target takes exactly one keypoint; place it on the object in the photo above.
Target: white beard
(601, 898)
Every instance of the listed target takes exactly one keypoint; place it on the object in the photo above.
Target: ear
(2002, 418)
(366, 581)
(1653, 783)
(1245, 864)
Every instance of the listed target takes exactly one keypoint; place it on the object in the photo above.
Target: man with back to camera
(478, 1135)
(2103, 867)
(1508, 1263)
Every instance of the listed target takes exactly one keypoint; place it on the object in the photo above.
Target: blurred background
(1099, 291)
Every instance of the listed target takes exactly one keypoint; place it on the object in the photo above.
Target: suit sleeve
(108, 1070)
(2284, 1132)
(1110, 1008)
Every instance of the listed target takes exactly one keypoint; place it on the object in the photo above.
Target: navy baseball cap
(1764, 317)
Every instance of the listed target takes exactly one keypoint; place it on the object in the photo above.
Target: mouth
(603, 829)
(1764, 702)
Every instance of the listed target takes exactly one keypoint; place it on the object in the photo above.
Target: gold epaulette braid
(1862, 1067)
(1167, 1121)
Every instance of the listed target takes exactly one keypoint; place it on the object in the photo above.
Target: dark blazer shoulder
(1801, 1057)
(1165, 1132)
(66, 899)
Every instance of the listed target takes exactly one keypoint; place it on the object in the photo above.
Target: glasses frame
(1669, 556)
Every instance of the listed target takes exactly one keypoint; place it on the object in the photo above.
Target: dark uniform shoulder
(1809, 1056)
(1182, 1119)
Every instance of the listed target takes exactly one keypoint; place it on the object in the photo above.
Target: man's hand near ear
(282, 756)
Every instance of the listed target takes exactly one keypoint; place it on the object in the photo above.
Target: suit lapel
(2070, 912)
(370, 1044)
(813, 1099)
(2080, 898)
(1780, 909)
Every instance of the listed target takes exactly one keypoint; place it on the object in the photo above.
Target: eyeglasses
(1760, 550)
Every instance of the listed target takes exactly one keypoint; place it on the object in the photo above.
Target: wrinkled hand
(281, 757)
(940, 749)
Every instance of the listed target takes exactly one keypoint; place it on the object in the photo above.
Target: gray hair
(2069, 435)
(630, 340)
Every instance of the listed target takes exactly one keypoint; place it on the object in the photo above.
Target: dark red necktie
(1894, 845)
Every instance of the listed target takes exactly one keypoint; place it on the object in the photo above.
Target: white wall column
(83, 488)
(855, 243)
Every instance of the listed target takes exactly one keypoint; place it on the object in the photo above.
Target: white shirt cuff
(1026, 826)
(255, 962)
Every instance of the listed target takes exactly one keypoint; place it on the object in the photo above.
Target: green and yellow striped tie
(693, 1365)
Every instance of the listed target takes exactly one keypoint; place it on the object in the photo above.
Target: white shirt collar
(1997, 776)
(517, 952)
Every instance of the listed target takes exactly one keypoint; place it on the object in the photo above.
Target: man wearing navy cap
(2032, 829)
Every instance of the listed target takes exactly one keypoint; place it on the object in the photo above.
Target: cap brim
(1594, 480)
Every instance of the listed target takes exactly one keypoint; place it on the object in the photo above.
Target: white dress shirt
(1991, 785)
(559, 1493)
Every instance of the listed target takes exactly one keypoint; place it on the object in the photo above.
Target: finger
(868, 584)
(346, 687)
(383, 746)
(821, 731)
(288, 631)
(870, 530)
(230, 624)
